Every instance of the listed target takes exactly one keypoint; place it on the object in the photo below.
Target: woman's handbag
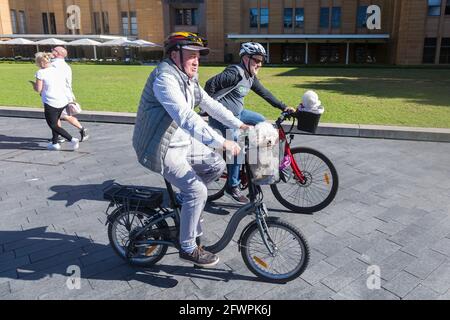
(73, 108)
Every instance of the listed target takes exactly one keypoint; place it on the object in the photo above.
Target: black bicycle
(140, 231)
(310, 181)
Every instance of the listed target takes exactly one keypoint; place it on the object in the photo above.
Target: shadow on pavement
(38, 253)
(21, 143)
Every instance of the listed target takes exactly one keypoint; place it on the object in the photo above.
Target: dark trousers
(52, 116)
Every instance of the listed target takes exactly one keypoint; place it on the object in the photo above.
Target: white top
(62, 65)
(54, 90)
(168, 92)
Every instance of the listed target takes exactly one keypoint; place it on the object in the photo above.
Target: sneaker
(200, 257)
(74, 144)
(53, 147)
(60, 140)
(236, 194)
(84, 135)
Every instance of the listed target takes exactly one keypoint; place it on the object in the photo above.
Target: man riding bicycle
(230, 87)
(170, 138)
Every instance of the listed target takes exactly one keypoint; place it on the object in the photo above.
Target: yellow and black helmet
(186, 40)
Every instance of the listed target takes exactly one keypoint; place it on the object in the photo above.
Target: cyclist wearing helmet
(169, 137)
(230, 87)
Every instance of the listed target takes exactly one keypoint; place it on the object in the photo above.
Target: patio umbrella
(50, 42)
(86, 42)
(144, 43)
(121, 42)
(18, 42)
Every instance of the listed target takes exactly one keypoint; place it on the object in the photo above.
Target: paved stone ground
(392, 211)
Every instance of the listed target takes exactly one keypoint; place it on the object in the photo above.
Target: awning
(311, 38)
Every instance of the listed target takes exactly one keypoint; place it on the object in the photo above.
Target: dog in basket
(264, 151)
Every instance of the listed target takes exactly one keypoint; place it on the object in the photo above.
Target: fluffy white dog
(264, 157)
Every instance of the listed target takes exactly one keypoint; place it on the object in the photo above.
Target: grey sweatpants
(190, 169)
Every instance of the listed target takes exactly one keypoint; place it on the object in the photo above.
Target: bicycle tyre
(317, 206)
(252, 261)
(121, 251)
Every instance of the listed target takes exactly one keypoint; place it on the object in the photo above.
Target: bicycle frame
(287, 151)
(255, 207)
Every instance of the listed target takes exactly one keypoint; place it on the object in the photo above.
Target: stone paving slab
(392, 211)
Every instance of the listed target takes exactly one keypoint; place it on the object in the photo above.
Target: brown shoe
(200, 257)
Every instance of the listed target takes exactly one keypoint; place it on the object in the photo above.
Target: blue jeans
(247, 117)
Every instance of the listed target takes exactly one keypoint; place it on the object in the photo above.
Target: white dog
(264, 148)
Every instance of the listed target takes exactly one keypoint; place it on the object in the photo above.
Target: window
(52, 23)
(447, 8)
(124, 19)
(105, 19)
(45, 23)
(429, 50)
(134, 27)
(294, 53)
(324, 17)
(336, 17)
(362, 17)
(22, 22)
(445, 51)
(253, 18)
(434, 7)
(13, 21)
(299, 17)
(185, 17)
(97, 25)
(329, 54)
(264, 23)
(288, 12)
(365, 53)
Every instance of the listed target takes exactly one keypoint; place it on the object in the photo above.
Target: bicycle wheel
(290, 257)
(216, 189)
(318, 189)
(123, 224)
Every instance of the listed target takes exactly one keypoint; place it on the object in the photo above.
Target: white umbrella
(121, 42)
(51, 42)
(144, 43)
(18, 41)
(86, 42)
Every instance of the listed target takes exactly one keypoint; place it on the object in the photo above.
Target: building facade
(406, 32)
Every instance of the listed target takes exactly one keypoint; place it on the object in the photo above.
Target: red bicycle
(308, 184)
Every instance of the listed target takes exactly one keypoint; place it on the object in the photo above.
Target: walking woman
(51, 86)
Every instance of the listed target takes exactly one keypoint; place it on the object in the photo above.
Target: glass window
(253, 18)
(447, 8)
(324, 17)
(434, 7)
(294, 53)
(361, 19)
(186, 17)
(445, 51)
(134, 26)
(124, 19)
(264, 23)
(97, 25)
(52, 23)
(288, 12)
(299, 17)
(336, 17)
(105, 19)
(13, 21)
(429, 50)
(45, 23)
(22, 22)
(329, 54)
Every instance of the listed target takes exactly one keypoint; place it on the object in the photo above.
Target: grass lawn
(387, 96)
